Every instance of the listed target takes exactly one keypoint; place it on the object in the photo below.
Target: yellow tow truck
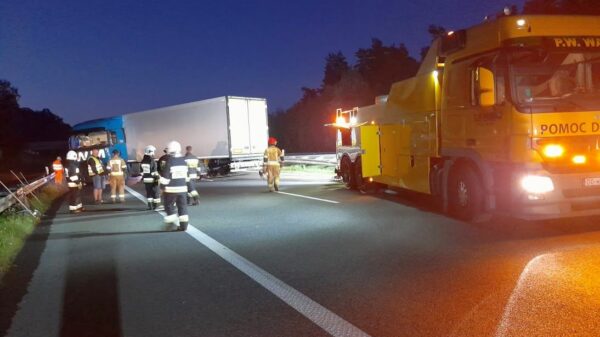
(501, 117)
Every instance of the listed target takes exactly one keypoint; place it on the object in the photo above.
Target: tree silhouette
(301, 127)
(335, 67)
(382, 65)
(20, 125)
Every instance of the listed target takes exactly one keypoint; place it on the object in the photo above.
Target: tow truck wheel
(465, 195)
(347, 173)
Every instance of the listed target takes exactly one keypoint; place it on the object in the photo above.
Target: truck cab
(105, 135)
(501, 117)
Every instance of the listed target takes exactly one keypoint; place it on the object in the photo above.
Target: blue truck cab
(106, 135)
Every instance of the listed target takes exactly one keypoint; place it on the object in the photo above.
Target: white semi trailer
(229, 132)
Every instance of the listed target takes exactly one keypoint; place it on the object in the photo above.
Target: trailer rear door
(259, 129)
(239, 126)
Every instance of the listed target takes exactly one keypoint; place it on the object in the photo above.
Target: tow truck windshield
(556, 81)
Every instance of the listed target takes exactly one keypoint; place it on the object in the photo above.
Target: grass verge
(15, 226)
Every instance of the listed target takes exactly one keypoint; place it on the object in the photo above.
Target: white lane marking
(307, 197)
(517, 294)
(321, 316)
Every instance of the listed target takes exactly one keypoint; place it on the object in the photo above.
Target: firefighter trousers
(117, 184)
(273, 171)
(192, 192)
(173, 201)
(152, 194)
(75, 199)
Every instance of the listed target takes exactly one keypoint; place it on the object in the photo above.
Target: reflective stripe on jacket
(174, 175)
(193, 164)
(72, 174)
(117, 166)
(149, 169)
(57, 166)
(273, 154)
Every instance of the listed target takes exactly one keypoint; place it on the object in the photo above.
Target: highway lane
(388, 265)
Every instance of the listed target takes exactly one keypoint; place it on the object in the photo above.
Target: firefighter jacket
(273, 155)
(95, 166)
(174, 175)
(72, 174)
(193, 164)
(117, 166)
(149, 169)
(57, 166)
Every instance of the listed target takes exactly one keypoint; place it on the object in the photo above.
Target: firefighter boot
(150, 205)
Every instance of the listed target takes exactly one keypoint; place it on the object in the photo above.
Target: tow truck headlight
(340, 120)
(535, 184)
(553, 151)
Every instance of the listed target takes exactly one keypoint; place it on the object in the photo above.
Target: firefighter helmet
(174, 147)
(71, 155)
(149, 150)
(272, 141)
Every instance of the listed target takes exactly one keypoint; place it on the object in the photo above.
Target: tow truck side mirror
(487, 90)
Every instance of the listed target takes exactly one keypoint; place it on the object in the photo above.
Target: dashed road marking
(321, 316)
(307, 197)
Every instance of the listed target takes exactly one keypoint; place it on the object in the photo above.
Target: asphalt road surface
(314, 260)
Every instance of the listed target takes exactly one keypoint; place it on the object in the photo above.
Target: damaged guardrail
(19, 196)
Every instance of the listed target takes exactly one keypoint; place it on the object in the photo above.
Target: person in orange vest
(117, 168)
(273, 160)
(58, 169)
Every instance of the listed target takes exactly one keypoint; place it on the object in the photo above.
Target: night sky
(90, 59)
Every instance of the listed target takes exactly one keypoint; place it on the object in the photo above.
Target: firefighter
(96, 172)
(117, 168)
(150, 177)
(160, 165)
(173, 177)
(272, 162)
(73, 182)
(58, 169)
(193, 164)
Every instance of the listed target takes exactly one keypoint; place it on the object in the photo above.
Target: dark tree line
(344, 85)
(19, 125)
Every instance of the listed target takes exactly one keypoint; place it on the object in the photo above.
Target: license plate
(591, 182)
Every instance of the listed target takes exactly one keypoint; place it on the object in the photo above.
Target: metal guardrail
(328, 159)
(10, 200)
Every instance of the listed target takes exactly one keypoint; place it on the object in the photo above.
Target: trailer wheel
(347, 173)
(465, 194)
(224, 170)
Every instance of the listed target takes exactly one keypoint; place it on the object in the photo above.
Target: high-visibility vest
(57, 166)
(97, 164)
